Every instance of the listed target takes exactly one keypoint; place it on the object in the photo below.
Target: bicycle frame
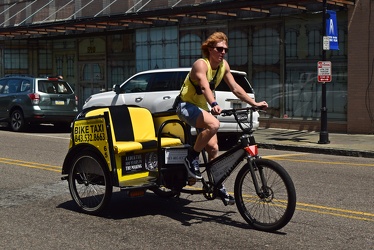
(220, 168)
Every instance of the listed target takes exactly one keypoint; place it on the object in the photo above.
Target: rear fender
(74, 151)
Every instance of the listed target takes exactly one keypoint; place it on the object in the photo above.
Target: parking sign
(324, 71)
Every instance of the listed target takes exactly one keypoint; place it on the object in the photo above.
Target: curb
(330, 151)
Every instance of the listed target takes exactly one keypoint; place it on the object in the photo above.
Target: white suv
(156, 90)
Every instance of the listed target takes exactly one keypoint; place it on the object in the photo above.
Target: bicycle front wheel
(274, 205)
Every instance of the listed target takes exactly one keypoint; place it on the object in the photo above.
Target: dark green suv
(25, 100)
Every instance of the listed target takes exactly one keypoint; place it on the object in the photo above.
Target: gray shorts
(188, 113)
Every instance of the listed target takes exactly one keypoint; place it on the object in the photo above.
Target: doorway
(92, 80)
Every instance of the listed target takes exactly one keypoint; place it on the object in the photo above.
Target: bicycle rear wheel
(274, 206)
(89, 182)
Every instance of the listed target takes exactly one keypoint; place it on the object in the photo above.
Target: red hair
(211, 41)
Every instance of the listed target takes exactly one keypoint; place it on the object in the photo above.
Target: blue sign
(332, 30)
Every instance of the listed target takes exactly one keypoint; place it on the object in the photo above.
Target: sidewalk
(304, 141)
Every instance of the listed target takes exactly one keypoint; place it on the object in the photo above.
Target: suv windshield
(54, 87)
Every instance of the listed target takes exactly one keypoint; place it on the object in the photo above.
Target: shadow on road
(179, 209)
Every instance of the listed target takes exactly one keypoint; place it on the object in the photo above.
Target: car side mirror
(117, 89)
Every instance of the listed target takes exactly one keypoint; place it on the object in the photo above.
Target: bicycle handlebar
(228, 112)
(243, 122)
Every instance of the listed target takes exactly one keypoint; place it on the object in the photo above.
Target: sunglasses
(221, 49)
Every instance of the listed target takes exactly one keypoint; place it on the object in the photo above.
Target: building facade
(97, 44)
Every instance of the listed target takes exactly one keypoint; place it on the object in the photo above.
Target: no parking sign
(324, 71)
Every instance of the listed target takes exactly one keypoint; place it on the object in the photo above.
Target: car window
(2, 86)
(162, 81)
(54, 87)
(240, 79)
(14, 85)
(137, 84)
(62, 87)
(25, 86)
(181, 76)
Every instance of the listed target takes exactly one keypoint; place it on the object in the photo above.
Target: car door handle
(138, 99)
(166, 97)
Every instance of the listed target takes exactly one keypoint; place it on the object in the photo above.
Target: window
(45, 59)
(341, 39)
(156, 48)
(25, 86)
(266, 64)
(240, 79)
(181, 76)
(162, 81)
(117, 75)
(266, 46)
(53, 87)
(238, 45)
(137, 84)
(59, 65)
(291, 43)
(189, 49)
(14, 85)
(3, 87)
(314, 43)
(268, 88)
(70, 66)
(15, 59)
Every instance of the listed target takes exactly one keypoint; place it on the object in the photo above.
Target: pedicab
(134, 150)
(117, 146)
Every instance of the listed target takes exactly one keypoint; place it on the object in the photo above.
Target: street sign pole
(324, 135)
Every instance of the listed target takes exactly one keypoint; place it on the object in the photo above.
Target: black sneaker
(193, 168)
(226, 198)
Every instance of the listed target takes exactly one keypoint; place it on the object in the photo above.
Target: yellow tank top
(188, 92)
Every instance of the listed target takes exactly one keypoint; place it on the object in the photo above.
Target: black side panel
(121, 123)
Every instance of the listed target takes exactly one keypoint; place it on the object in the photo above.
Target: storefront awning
(36, 18)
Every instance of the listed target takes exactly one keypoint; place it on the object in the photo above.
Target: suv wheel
(17, 121)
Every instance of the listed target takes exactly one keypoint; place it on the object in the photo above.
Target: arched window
(190, 49)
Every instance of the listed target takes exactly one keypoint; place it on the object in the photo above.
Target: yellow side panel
(92, 131)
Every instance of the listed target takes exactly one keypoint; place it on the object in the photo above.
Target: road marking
(284, 155)
(323, 162)
(49, 136)
(31, 164)
(350, 214)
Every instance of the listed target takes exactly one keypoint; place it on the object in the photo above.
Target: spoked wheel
(274, 206)
(89, 182)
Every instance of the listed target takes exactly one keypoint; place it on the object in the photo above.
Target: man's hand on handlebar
(216, 110)
(262, 105)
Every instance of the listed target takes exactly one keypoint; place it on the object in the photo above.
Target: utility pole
(324, 135)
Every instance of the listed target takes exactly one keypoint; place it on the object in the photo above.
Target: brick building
(96, 44)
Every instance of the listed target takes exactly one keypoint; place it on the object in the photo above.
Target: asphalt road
(335, 208)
